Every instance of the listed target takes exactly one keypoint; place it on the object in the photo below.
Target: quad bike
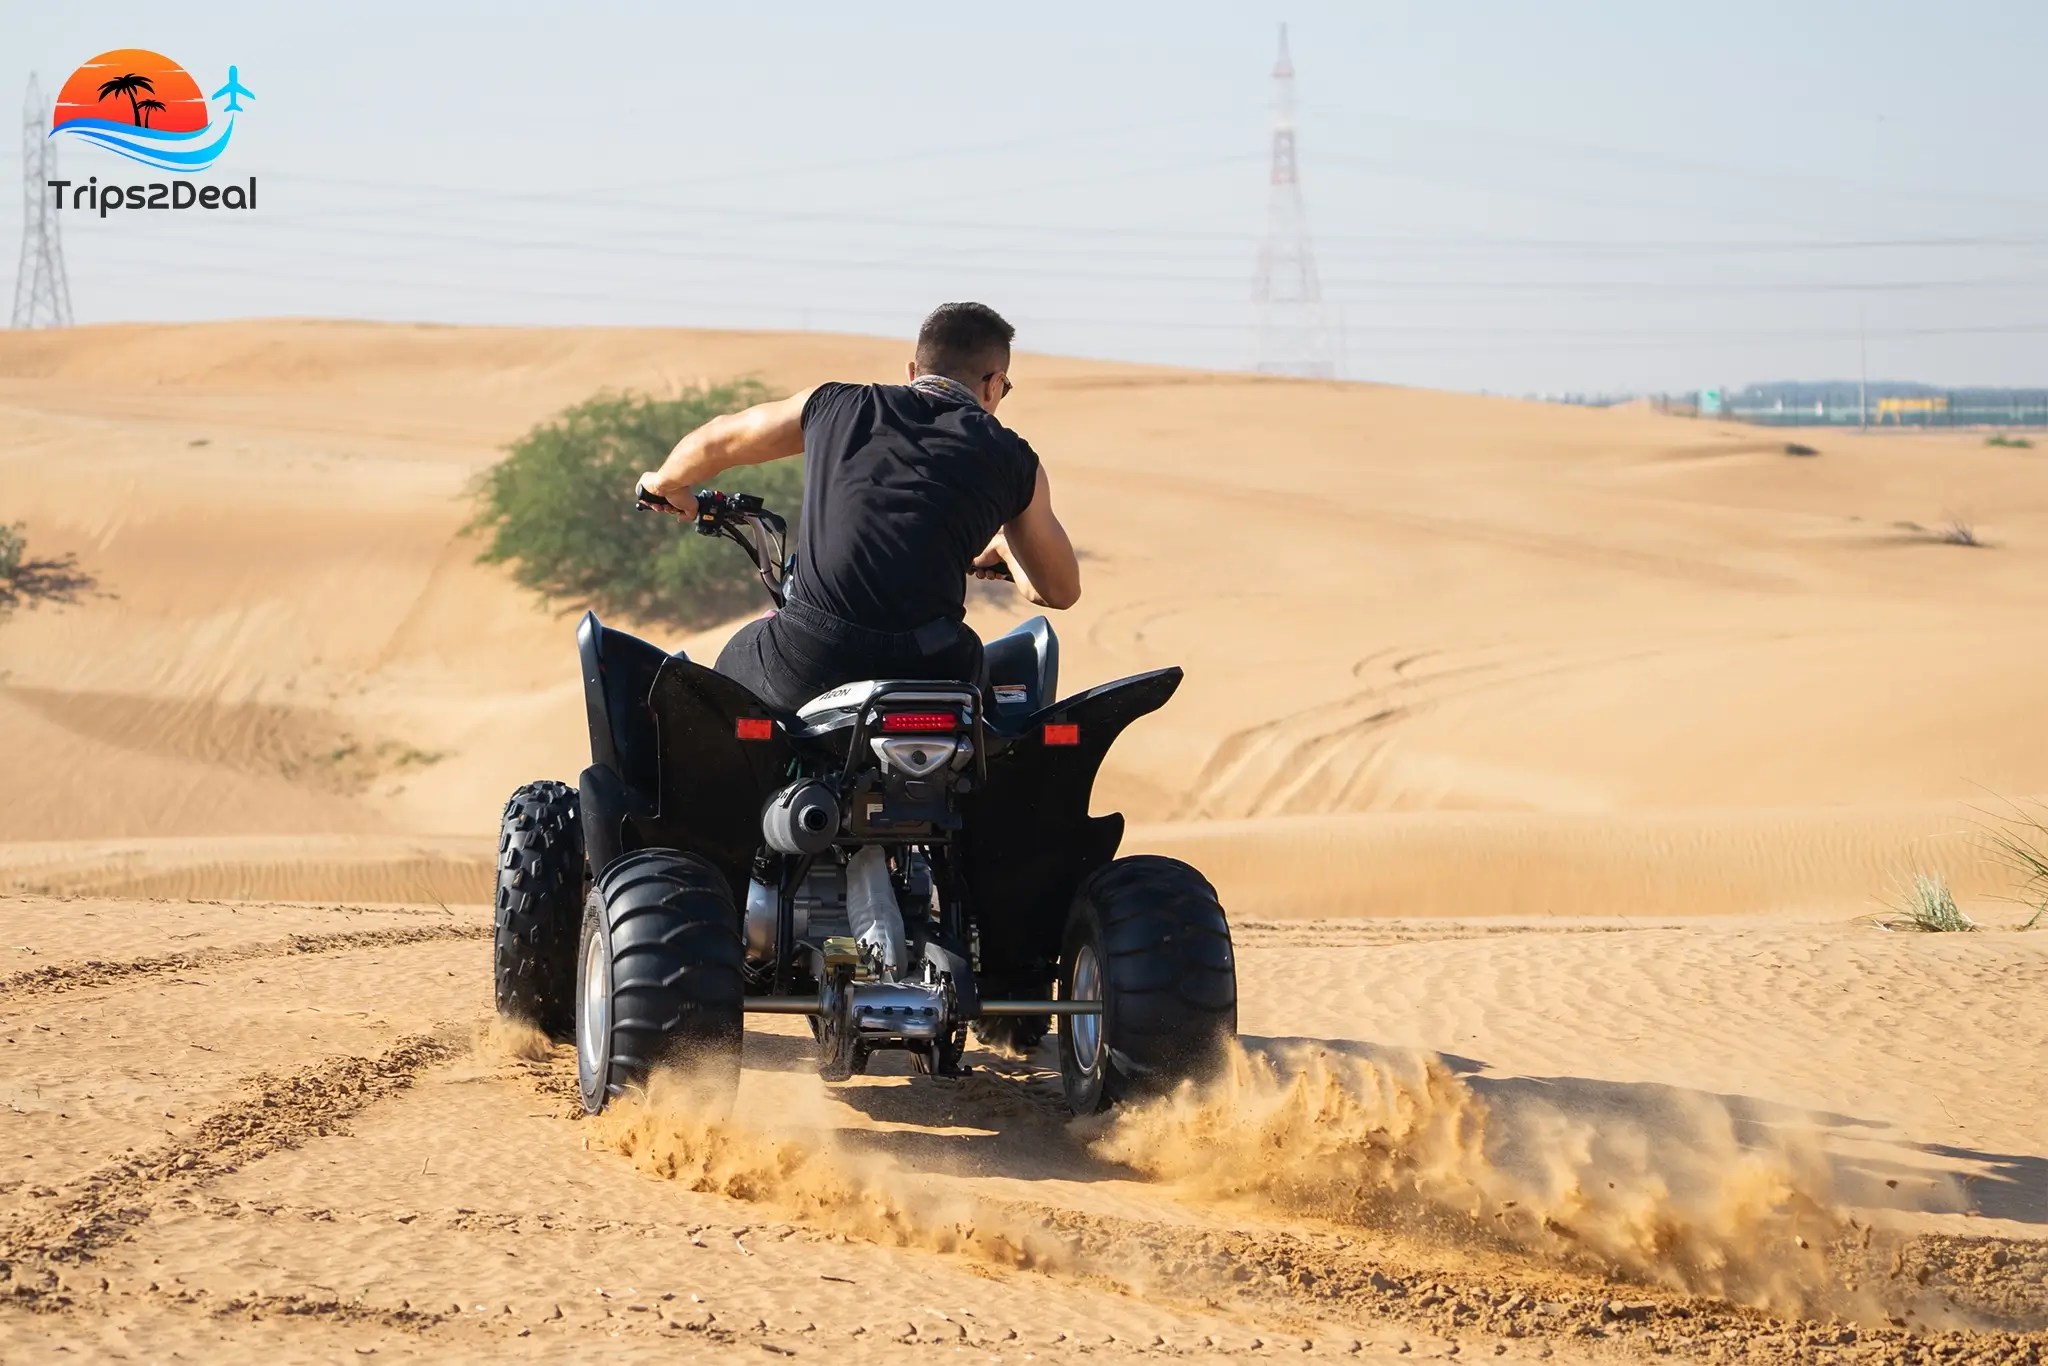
(898, 860)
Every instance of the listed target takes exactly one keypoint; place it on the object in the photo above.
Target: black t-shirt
(902, 489)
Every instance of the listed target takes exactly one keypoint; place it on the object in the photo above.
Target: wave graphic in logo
(144, 106)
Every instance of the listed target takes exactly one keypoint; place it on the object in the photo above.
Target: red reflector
(919, 720)
(754, 728)
(1063, 734)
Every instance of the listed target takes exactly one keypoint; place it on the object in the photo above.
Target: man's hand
(681, 502)
(1000, 562)
(994, 562)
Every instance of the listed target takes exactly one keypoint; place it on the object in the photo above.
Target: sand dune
(1388, 602)
(1548, 760)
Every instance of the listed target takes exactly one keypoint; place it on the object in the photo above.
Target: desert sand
(1551, 763)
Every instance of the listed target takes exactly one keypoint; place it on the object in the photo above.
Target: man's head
(967, 343)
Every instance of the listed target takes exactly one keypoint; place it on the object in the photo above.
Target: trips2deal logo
(143, 106)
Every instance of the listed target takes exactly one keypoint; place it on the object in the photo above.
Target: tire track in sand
(1479, 1298)
(60, 978)
(281, 1111)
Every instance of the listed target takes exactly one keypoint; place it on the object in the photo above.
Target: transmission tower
(1293, 338)
(42, 296)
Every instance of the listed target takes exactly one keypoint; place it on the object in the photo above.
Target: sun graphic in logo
(144, 106)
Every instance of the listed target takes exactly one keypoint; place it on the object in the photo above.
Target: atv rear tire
(660, 976)
(540, 904)
(1148, 939)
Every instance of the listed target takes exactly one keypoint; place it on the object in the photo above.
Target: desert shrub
(1928, 905)
(559, 509)
(2021, 844)
(1958, 532)
(13, 545)
(2018, 443)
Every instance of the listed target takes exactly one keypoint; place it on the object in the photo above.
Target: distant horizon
(1500, 199)
(1572, 394)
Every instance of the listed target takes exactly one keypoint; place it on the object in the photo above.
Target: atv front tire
(1149, 940)
(539, 906)
(660, 977)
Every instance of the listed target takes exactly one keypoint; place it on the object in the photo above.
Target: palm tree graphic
(128, 85)
(152, 106)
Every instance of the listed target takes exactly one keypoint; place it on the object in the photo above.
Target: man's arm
(754, 436)
(1036, 548)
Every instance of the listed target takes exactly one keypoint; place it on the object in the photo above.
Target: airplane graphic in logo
(233, 88)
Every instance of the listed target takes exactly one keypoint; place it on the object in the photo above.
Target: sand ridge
(1585, 655)
(1548, 760)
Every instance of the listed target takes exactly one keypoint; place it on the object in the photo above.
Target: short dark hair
(963, 342)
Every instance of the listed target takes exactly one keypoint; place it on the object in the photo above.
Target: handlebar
(743, 519)
(649, 502)
(717, 511)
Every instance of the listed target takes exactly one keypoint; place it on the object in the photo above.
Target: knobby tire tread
(539, 906)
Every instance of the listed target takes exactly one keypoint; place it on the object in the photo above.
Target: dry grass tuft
(1929, 907)
(2022, 845)
(1957, 532)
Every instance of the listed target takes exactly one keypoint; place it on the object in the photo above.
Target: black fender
(1028, 840)
(618, 676)
(711, 780)
(605, 805)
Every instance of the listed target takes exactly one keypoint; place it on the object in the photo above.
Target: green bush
(13, 545)
(559, 509)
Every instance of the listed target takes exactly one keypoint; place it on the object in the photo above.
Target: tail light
(1062, 733)
(754, 728)
(919, 722)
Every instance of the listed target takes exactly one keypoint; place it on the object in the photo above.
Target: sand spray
(1687, 1198)
(511, 1040)
(1402, 1143)
(680, 1130)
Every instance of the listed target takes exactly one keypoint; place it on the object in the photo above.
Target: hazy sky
(1519, 197)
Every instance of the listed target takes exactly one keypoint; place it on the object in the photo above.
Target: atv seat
(1023, 671)
(1023, 676)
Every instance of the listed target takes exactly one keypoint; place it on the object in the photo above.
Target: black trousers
(789, 658)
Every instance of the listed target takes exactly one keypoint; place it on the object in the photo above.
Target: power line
(1006, 262)
(751, 306)
(476, 199)
(1693, 167)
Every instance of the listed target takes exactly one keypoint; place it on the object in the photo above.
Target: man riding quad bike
(861, 815)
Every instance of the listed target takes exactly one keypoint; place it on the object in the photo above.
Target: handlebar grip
(648, 502)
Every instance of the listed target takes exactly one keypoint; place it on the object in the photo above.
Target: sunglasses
(1007, 386)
